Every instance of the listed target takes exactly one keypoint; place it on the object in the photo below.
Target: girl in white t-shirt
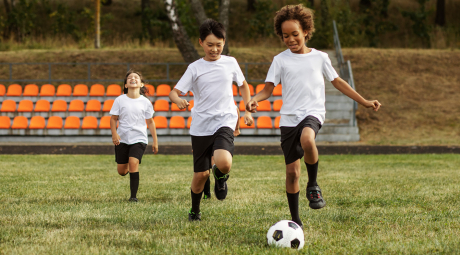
(300, 70)
(132, 110)
(214, 115)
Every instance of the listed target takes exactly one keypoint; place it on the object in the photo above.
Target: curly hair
(298, 12)
(143, 91)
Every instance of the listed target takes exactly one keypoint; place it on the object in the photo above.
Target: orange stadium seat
(190, 93)
(25, 106)
(163, 90)
(76, 105)
(97, 90)
(89, 122)
(42, 106)
(177, 122)
(259, 88)
(2, 90)
(47, 90)
(243, 125)
(191, 103)
(80, 90)
(264, 122)
(161, 105)
(251, 90)
(72, 122)
(105, 122)
(14, 90)
(264, 106)
(54, 122)
(160, 122)
(277, 105)
(107, 105)
(93, 106)
(242, 106)
(113, 90)
(175, 108)
(20, 122)
(37, 122)
(64, 90)
(278, 90)
(277, 121)
(235, 90)
(189, 122)
(5, 122)
(151, 90)
(30, 90)
(59, 106)
(8, 106)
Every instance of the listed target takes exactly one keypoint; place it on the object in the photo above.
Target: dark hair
(298, 12)
(211, 26)
(143, 91)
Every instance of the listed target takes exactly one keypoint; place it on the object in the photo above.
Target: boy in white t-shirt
(300, 70)
(132, 110)
(214, 115)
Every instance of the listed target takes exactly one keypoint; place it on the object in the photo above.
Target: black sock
(134, 183)
(207, 185)
(293, 200)
(218, 173)
(196, 199)
(312, 172)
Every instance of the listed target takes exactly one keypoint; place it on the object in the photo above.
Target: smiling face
(133, 81)
(294, 36)
(212, 47)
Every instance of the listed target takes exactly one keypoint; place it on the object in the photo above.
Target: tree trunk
(324, 15)
(364, 5)
(440, 13)
(198, 10)
(251, 6)
(223, 18)
(312, 3)
(146, 24)
(185, 46)
(97, 22)
(7, 32)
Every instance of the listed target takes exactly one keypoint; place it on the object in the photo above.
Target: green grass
(392, 204)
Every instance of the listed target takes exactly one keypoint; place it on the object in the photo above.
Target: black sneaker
(207, 189)
(133, 199)
(315, 197)
(193, 216)
(220, 185)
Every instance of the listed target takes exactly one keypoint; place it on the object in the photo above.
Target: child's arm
(113, 128)
(262, 95)
(246, 94)
(153, 131)
(237, 128)
(174, 97)
(346, 89)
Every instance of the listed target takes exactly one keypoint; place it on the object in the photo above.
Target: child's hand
(252, 106)
(236, 132)
(248, 120)
(155, 148)
(373, 104)
(116, 139)
(182, 104)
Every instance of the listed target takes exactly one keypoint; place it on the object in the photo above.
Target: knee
(122, 170)
(292, 174)
(203, 175)
(307, 142)
(224, 166)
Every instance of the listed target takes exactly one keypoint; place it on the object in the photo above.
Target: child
(301, 70)
(213, 115)
(132, 110)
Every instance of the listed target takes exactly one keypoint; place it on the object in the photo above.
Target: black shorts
(124, 151)
(290, 138)
(204, 146)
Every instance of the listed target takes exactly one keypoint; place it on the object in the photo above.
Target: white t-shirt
(132, 114)
(303, 84)
(211, 84)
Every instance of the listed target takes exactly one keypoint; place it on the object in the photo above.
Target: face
(134, 81)
(293, 36)
(212, 47)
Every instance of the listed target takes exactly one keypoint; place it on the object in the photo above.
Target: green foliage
(187, 18)
(261, 23)
(155, 24)
(375, 21)
(420, 25)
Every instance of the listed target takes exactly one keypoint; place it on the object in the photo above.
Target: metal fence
(345, 68)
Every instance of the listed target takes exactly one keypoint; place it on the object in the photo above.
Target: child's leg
(223, 160)
(198, 181)
(122, 169)
(134, 176)
(293, 190)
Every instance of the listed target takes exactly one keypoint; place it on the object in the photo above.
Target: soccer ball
(286, 234)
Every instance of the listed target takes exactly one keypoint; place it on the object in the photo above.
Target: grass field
(393, 204)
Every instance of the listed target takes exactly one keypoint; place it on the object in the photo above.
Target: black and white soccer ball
(286, 234)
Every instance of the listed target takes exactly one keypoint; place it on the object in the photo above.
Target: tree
(440, 13)
(97, 22)
(251, 6)
(146, 21)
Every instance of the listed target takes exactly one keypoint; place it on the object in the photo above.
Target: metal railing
(344, 68)
(128, 66)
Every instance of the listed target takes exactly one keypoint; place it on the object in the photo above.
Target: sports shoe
(207, 189)
(315, 197)
(193, 216)
(133, 199)
(220, 185)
